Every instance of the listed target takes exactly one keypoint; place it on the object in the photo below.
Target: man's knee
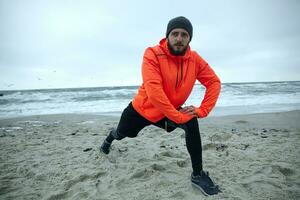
(170, 126)
(192, 124)
(117, 135)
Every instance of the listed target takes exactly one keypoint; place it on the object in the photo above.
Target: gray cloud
(106, 40)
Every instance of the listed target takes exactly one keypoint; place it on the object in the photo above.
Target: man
(169, 72)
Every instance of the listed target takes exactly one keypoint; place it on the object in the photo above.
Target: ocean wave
(4, 101)
(115, 99)
(102, 97)
(23, 101)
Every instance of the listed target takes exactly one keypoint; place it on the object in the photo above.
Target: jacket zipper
(181, 70)
(176, 78)
(181, 73)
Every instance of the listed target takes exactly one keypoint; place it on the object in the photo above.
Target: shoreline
(254, 156)
(117, 115)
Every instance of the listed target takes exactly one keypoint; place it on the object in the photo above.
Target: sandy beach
(57, 157)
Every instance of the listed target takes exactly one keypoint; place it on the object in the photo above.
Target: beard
(177, 52)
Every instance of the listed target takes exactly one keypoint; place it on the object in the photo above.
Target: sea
(235, 99)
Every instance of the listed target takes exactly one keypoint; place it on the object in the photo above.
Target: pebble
(221, 147)
(87, 149)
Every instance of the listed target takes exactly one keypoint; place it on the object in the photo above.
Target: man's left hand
(189, 110)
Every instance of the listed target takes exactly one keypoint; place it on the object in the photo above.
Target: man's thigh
(170, 126)
(131, 122)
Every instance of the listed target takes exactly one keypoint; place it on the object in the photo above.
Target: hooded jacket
(168, 81)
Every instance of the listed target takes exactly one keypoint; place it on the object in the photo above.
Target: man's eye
(175, 34)
(184, 35)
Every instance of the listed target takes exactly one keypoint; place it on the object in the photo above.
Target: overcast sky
(86, 43)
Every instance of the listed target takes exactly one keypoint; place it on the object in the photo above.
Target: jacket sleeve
(153, 83)
(207, 77)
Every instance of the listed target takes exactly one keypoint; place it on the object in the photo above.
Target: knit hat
(180, 22)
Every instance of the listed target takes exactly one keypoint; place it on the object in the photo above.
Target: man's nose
(179, 38)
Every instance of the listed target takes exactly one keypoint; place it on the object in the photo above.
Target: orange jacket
(168, 81)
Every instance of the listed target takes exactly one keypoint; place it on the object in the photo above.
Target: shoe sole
(200, 188)
(105, 152)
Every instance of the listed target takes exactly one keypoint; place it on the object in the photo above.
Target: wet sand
(57, 157)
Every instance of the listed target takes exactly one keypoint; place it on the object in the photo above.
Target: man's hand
(189, 110)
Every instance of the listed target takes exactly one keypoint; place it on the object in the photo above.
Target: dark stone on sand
(221, 147)
(241, 122)
(245, 146)
(87, 149)
(264, 130)
(75, 132)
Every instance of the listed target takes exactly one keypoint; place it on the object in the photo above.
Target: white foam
(265, 96)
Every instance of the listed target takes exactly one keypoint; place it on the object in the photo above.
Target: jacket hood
(164, 45)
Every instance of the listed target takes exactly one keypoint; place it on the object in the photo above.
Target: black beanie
(180, 22)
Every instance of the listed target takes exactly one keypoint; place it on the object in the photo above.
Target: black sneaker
(105, 147)
(205, 184)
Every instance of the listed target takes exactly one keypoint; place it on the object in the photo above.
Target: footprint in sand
(77, 180)
(171, 154)
(178, 195)
(268, 178)
(83, 178)
(283, 170)
(148, 172)
(158, 167)
(142, 174)
(261, 186)
(208, 146)
(220, 137)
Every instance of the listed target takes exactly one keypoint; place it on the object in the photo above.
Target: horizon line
(111, 86)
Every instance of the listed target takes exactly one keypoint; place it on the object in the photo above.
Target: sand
(57, 157)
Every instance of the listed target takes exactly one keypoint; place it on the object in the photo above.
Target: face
(178, 41)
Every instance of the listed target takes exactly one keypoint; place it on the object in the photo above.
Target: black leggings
(131, 123)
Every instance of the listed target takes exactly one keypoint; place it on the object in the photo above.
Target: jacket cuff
(200, 112)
